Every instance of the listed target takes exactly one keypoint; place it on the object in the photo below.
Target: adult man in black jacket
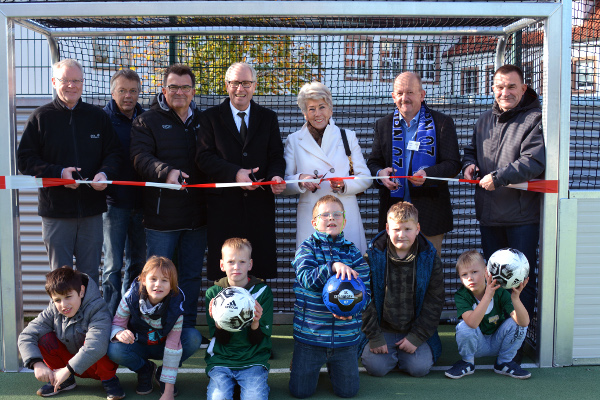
(70, 139)
(405, 146)
(163, 147)
(237, 148)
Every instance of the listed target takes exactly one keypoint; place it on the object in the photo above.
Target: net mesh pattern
(359, 69)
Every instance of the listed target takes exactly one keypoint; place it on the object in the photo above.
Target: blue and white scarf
(423, 158)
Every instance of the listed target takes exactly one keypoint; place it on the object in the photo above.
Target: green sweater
(240, 350)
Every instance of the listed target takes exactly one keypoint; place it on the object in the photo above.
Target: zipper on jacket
(158, 203)
(73, 134)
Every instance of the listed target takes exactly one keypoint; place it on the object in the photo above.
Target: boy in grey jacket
(70, 337)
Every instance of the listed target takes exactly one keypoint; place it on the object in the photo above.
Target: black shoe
(145, 376)
(113, 388)
(511, 369)
(48, 389)
(459, 369)
(205, 342)
(162, 384)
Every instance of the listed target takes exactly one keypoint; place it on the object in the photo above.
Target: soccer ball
(233, 309)
(344, 297)
(509, 267)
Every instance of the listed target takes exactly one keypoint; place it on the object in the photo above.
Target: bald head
(408, 94)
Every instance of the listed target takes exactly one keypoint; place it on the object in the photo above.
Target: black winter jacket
(55, 138)
(510, 146)
(161, 142)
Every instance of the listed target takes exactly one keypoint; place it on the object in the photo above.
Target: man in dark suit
(239, 141)
(418, 142)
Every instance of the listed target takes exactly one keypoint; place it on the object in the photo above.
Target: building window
(358, 58)
(391, 59)
(489, 79)
(427, 61)
(584, 75)
(112, 53)
(468, 81)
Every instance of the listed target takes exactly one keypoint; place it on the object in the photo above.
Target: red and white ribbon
(31, 182)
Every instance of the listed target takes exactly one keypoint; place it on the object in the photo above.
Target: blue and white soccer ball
(509, 267)
(344, 297)
(233, 309)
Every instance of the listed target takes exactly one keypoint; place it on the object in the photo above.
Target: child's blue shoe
(113, 389)
(460, 369)
(48, 389)
(144, 378)
(511, 369)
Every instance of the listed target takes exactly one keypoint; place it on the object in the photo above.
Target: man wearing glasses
(123, 230)
(239, 141)
(71, 139)
(163, 146)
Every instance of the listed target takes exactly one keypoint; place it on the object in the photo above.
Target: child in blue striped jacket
(319, 336)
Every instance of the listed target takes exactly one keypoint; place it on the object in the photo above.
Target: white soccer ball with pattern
(509, 267)
(233, 309)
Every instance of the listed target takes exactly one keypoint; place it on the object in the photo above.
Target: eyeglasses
(335, 215)
(175, 88)
(236, 84)
(132, 92)
(71, 81)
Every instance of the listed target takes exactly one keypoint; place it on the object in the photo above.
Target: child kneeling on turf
(70, 336)
(408, 295)
(320, 337)
(239, 357)
(149, 325)
(486, 328)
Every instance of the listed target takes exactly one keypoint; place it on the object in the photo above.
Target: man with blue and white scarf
(418, 142)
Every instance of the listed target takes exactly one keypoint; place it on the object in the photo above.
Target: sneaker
(511, 369)
(205, 342)
(459, 369)
(113, 388)
(145, 376)
(48, 389)
(162, 384)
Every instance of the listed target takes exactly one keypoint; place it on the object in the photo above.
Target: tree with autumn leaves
(283, 63)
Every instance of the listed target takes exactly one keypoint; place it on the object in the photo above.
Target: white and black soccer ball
(233, 309)
(509, 267)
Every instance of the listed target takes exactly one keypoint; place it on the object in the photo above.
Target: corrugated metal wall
(586, 332)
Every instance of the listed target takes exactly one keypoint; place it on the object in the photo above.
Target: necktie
(243, 127)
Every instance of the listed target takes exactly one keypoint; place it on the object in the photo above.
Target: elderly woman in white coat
(317, 149)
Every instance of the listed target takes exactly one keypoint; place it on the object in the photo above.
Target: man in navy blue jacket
(123, 228)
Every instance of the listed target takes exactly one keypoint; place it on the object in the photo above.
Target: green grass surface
(579, 383)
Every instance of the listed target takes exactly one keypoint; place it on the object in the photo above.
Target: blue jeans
(79, 237)
(190, 245)
(503, 343)
(123, 235)
(416, 364)
(252, 381)
(134, 356)
(521, 237)
(342, 365)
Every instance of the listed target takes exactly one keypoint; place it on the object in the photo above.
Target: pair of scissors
(316, 177)
(182, 181)
(256, 180)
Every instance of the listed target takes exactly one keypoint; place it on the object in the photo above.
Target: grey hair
(128, 74)
(314, 91)
(414, 74)
(240, 64)
(66, 63)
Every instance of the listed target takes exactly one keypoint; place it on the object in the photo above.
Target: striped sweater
(314, 324)
(173, 349)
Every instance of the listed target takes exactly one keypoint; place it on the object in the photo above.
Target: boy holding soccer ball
(240, 357)
(408, 294)
(320, 337)
(486, 329)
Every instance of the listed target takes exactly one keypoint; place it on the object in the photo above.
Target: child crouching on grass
(70, 337)
(149, 325)
(494, 321)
